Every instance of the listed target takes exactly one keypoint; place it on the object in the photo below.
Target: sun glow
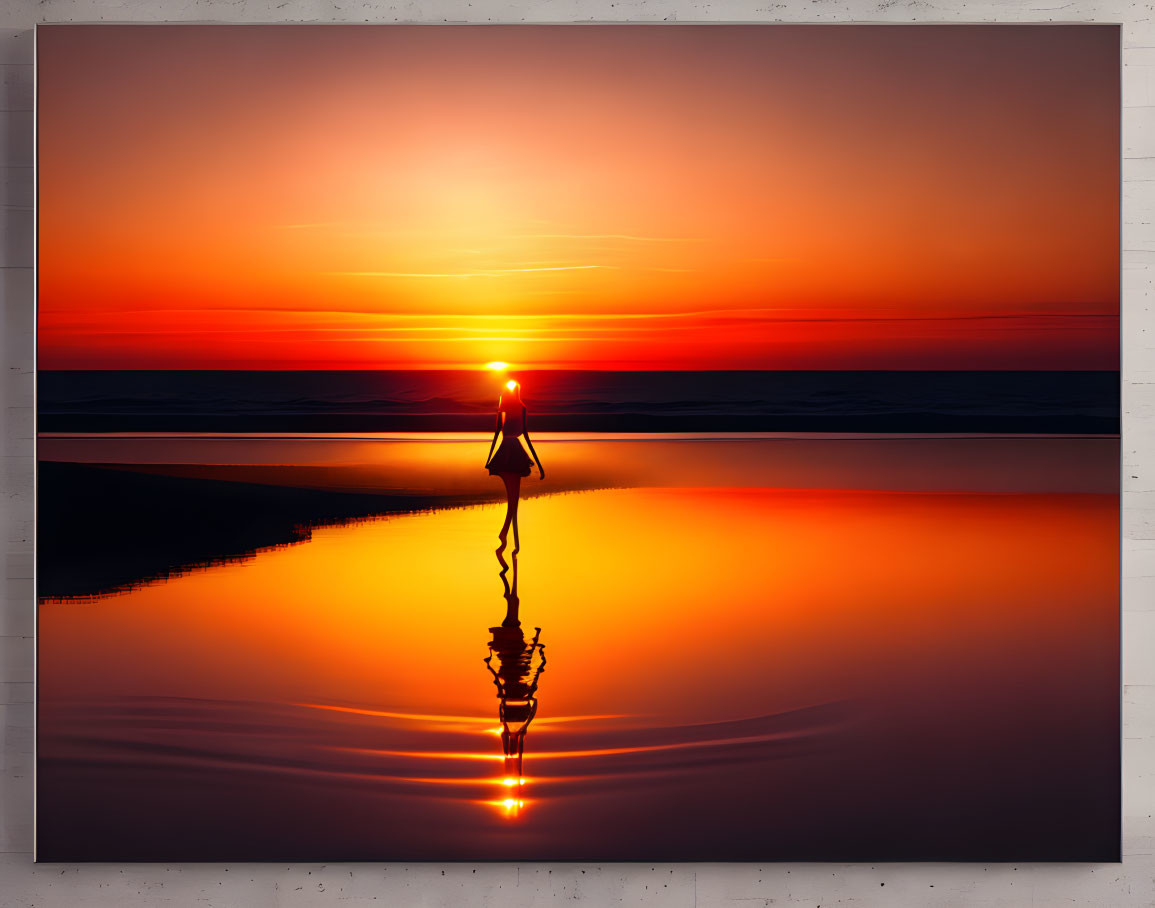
(511, 384)
(497, 367)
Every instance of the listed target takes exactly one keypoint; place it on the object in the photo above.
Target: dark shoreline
(101, 529)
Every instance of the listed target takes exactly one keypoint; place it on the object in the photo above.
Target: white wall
(25, 884)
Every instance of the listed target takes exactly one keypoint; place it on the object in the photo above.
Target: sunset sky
(678, 197)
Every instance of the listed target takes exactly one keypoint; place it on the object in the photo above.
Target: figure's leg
(512, 488)
(516, 497)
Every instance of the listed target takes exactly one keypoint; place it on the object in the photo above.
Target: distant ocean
(731, 401)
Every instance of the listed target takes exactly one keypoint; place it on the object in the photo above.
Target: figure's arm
(525, 430)
(496, 676)
(540, 647)
(537, 674)
(493, 444)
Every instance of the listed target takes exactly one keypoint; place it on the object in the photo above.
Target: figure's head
(512, 391)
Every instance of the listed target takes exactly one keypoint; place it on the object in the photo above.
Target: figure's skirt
(510, 458)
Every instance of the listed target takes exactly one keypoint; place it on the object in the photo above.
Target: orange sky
(591, 197)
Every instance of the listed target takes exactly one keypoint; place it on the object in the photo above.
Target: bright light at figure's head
(497, 367)
(511, 384)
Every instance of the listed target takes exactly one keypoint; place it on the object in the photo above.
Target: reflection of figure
(511, 462)
(515, 677)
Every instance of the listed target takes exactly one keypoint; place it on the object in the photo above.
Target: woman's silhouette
(511, 462)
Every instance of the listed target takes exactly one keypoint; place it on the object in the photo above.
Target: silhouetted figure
(511, 462)
(515, 678)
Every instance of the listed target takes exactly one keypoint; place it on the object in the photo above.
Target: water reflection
(516, 669)
(245, 730)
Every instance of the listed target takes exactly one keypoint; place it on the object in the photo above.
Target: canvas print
(578, 443)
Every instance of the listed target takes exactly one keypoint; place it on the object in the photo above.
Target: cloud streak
(626, 237)
(495, 272)
(784, 313)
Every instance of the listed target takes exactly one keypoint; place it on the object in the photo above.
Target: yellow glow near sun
(497, 367)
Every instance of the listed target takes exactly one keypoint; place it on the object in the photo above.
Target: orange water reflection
(807, 592)
(854, 663)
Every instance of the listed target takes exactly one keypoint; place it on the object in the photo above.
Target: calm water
(747, 655)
